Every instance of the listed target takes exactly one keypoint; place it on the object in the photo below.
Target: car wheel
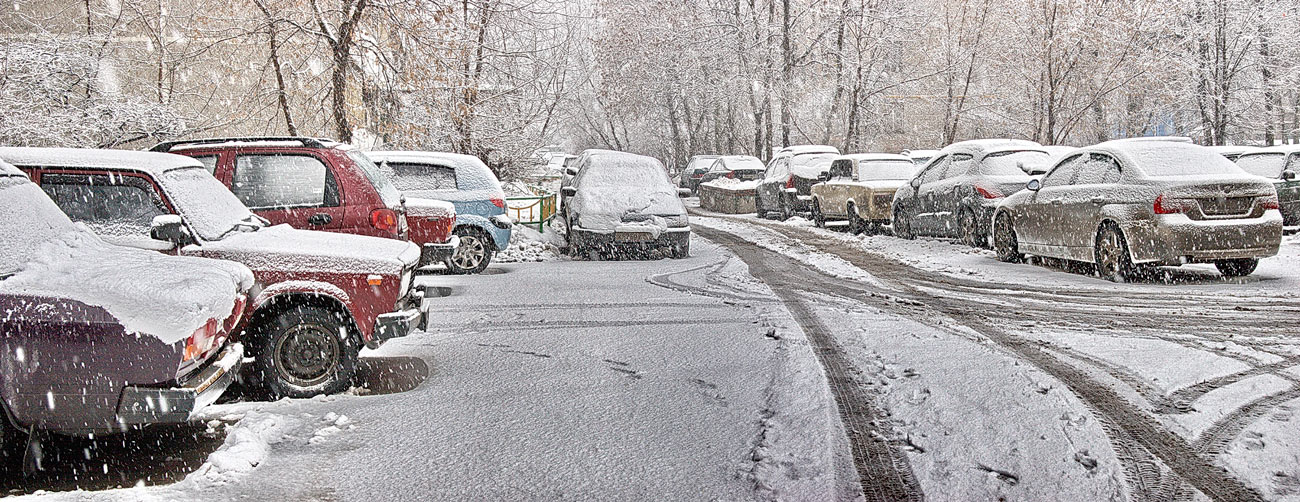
(902, 225)
(969, 230)
(1237, 268)
(303, 352)
(682, 250)
(1111, 255)
(1004, 240)
(819, 219)
(856, 226)
(758, 207)
(474, 253)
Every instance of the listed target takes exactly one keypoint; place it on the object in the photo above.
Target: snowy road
(782, 362)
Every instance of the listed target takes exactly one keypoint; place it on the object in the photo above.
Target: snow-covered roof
(986, 146)
(1158, 139)
(923, 154)
(807, 149)
(149, 162)
(876, 156)
(734, 162)
(416, 157)
(7, 169)
(1169, 157)
(1273, 149)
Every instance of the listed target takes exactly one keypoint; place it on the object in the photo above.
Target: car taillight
(201, 341)
(789, 182)
(1171, 205)
(384, 219)
(499, 202)
(731, 175)
(697, 176)
(1269, 202)
(988, 193)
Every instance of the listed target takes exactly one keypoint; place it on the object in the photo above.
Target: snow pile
(247, 445)
(529, 245)
(732, 184)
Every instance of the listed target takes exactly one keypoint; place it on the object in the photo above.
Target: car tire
(1237, 268)
(1005, 242)
(1111, 255)
(304, 351)
(856, 225)
(683, 250)
(818, 218)
(902, 225)
(758, 207)
(474, 253)
(969, 230)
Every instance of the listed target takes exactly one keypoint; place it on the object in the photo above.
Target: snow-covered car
(625, 202)
(319, 296)
(482, 225)
(97, 337)
(920, 157)
(737, 167)
(860, 188)
(1127, 205)
(693, 174)
(1280, 165)
(955, 195)
(318, 184)
(786, 187)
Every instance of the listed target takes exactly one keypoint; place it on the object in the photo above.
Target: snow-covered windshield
(1009, 163)
(209, 207)
(811, 165)
(621, 174)
(886, 170)
(388, 193)
(1164, 159)
(30, 218)
(738, 163)
(1268, 165)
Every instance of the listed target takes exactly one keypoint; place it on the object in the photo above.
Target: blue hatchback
(481, 221)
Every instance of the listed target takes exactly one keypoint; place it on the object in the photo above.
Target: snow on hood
(168, 297)
(430, 208)
(284, 248)
(626, 190)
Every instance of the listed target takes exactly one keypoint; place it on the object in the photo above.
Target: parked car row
(138, 285)
(1125, 206)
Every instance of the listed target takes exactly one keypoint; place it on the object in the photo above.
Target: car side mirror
(683, 192)
(569, 191)
(823, 177)
(1288, 175)
(571, 171)
(170, 228)
(916, 183)
(1034, 185)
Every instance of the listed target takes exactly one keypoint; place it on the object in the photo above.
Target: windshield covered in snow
(620, 173)
(811, 165)
(869, 170)
(30, 219)
(1268, 165)
(209, 207)
(1171, 159)
(1010, 163)
(388, 193)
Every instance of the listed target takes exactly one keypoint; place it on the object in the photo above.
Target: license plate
(633, 236)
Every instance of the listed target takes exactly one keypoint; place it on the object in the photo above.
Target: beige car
(860, 188)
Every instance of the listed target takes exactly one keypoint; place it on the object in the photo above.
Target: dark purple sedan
(100, 338)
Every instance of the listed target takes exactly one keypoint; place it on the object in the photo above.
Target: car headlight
(679, 220)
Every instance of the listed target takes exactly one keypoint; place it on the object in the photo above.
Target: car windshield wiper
(251, 223)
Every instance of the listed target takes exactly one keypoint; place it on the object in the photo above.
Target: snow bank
(528, 245)
(732, 184)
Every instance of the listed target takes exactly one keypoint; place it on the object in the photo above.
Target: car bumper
(612, 239)
(141, 405)
(407, 318)
(435, 253)
(1175, 239)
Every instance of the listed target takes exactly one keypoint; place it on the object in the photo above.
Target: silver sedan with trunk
(1129, 205)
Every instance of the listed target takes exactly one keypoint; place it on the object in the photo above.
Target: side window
(1293, 163)
(113, 205)
(1099, 168)
(780, 169)
(412, 176)
(266, 181)
(1063, 174)
(209, 162)
(935, 171)
(961, 165)
(842, 168)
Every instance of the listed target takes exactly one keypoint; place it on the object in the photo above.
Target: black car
(786, 188)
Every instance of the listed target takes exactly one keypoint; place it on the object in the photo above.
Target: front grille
(1227, 206)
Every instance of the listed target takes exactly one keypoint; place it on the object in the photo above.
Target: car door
(773, 184)
(835, 190)
(923, 219)
(119, 207)
(1039, 220)
(1083, 200)
(294, 188)
(943, 195)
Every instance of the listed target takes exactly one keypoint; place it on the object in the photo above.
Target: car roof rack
(168, 146)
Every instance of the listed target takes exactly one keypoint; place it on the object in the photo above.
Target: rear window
(886, 170)
(1012, 163)
(265, 181)
(415, 176)
(1168, 159)
(388, 193)
(1268, 165)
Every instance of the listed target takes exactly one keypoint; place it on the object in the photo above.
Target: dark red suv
(318, 296)
(318, 184)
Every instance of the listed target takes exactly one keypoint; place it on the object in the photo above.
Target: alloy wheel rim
(1108, 255)
(470, 253)
(307, 354)
(1005, 237)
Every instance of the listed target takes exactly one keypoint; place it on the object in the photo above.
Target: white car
(625, 202)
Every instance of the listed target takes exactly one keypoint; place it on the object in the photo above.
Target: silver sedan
(1129, 205)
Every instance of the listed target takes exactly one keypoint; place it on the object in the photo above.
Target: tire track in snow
(1175, 452)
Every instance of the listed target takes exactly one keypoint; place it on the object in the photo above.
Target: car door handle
(1056, 202)
(1098, 200)
(319, 219)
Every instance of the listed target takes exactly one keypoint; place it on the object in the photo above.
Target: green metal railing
(534, 211)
